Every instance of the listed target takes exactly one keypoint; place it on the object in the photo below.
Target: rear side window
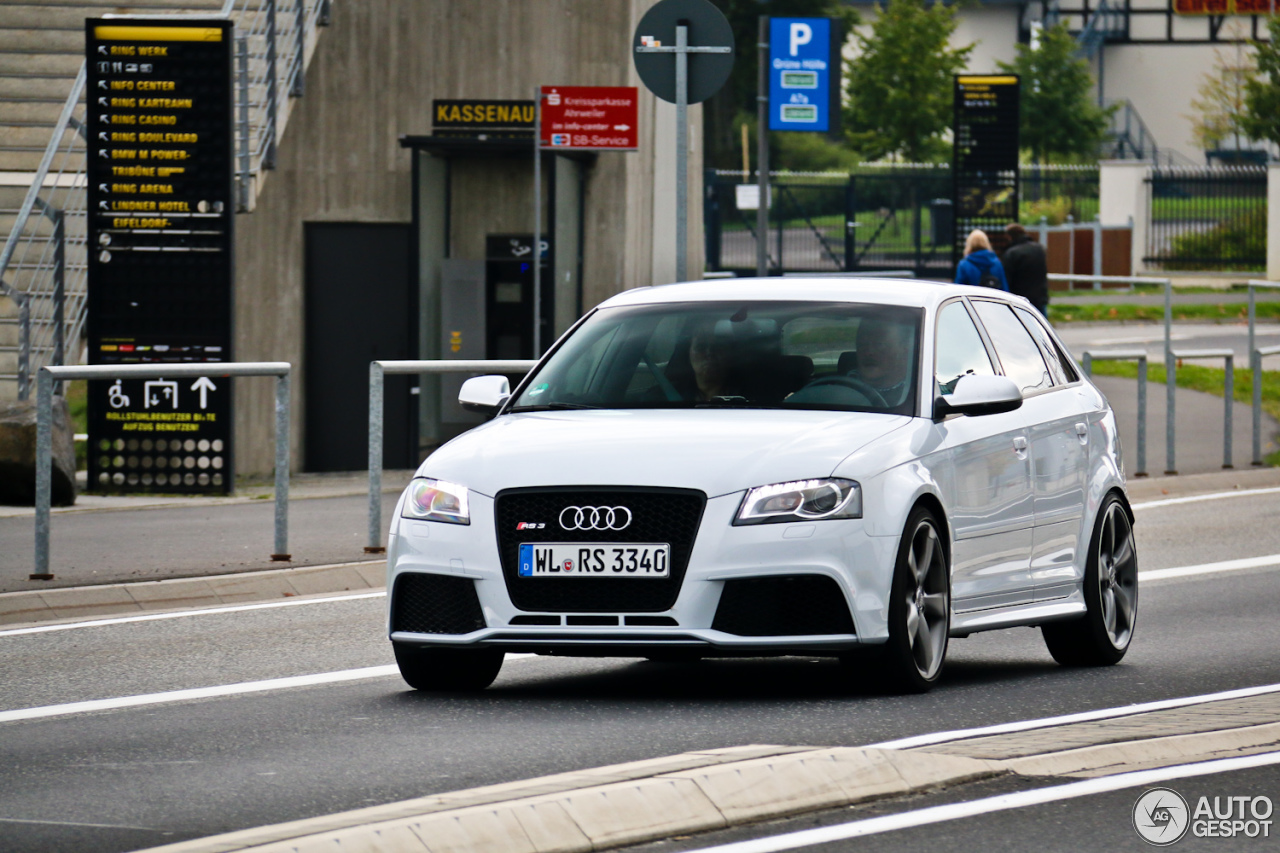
(960, 348)
(1063, 370)
(1019, 354)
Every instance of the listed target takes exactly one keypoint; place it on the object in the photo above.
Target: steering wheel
(862, 387)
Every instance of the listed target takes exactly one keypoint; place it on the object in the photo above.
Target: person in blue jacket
(980, 266)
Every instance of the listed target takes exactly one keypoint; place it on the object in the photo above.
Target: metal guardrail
(1140, 356)
(49, 377)
(1228, 401)
(377, 371)
(1256, 354)
(1170, 426)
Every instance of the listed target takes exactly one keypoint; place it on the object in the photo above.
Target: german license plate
(594, 560)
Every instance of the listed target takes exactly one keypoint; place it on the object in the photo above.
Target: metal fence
(876, 217)
(42, 264)
(1208, 218)
(1058, 192)
(832, 222)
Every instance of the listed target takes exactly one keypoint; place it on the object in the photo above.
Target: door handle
(1082, 433)
(1020, 447)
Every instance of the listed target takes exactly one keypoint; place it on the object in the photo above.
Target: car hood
(717, 451)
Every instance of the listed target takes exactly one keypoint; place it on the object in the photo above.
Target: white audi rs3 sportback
(850, 468)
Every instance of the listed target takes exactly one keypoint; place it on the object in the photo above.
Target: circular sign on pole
(707, 27)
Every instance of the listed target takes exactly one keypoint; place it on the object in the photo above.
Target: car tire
(447, 669)
(1102, 636)
(919, 609)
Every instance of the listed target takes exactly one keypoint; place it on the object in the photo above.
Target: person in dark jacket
(980, 265)
(1026, 266)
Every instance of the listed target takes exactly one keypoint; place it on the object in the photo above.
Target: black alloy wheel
(1102, 636)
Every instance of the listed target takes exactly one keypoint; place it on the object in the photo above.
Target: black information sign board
(159, 116)
(985, 159)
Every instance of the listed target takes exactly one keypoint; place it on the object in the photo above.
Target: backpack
(989, 280)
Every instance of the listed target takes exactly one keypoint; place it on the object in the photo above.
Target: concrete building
(376, 235)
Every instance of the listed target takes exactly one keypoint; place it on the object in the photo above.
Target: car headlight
(801, 500)
(436, 500)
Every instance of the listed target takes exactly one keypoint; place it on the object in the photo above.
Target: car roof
(915, 293)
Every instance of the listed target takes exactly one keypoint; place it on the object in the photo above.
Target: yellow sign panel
(1007, 80)
(122, 33)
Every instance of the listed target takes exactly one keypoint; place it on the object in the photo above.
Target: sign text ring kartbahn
(160, 259)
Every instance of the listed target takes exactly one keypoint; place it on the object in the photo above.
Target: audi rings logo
(595, 518)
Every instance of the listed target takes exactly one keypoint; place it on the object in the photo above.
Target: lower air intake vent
(435, 604)
(783, 606)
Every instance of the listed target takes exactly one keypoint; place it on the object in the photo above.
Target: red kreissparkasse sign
(601, 118)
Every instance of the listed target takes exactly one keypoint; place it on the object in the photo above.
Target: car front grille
(435, 604)
(669, 516)
(783, 606)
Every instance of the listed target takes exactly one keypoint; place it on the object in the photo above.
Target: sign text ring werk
(160, 239)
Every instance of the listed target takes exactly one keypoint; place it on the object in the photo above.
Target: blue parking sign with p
(800, 74)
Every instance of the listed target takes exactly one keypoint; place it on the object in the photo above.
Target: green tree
(1059, 117)
(1262, 93)
(899, 93)
(725, 112)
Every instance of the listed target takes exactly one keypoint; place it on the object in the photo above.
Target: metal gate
(1208, 218)
(834, 223)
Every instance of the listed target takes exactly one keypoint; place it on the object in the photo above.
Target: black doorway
(360, 307)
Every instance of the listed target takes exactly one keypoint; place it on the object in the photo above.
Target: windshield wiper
(552, 407)
(728, 400)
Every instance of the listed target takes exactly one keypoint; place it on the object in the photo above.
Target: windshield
(800, 355)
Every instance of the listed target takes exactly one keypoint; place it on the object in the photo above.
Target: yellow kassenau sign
(120, 33)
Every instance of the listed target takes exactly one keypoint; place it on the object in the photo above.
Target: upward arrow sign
(204, 386)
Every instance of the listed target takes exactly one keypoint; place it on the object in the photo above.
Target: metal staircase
(42, 151)
(1129, 139)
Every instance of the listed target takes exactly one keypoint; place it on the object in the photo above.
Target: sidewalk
(115, 556)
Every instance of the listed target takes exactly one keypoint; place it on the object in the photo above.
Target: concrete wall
(374, 74)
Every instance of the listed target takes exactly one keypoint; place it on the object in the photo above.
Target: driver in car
(884, 358)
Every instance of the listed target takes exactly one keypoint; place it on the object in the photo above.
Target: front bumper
(859, 568)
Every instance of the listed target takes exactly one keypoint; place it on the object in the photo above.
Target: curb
(128, 599)
(1107, 759)
(627, 804)
(637, 802)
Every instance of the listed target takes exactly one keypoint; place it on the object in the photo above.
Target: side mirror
(979, 395)
(484, 394)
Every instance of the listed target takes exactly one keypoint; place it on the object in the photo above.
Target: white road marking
(198, 693)
(1210, 568)
(1081, 717)
(78, 823)
(180, 614)
(987, 805)
(209, 692)
(1214, 496)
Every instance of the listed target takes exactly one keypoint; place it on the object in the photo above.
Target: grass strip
(1229, 312)
(1209, 380)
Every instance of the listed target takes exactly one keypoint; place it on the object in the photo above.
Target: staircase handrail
(42, 171)
(264, 79)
